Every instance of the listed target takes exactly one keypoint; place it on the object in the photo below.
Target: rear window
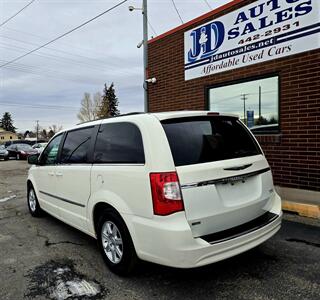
(207, 139)
(23, 147)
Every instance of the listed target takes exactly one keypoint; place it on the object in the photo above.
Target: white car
(39, 146)
(181, 189)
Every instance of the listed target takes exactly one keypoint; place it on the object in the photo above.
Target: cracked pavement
(36, 255)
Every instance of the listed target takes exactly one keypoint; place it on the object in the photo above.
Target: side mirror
(33, 159)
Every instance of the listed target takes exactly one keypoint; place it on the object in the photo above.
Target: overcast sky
(103, 51)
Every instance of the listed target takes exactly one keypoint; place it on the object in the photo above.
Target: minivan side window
(50, 154)
(75, 149)
(119, 143)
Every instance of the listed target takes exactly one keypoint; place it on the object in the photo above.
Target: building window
(256, 102)
(10, 137)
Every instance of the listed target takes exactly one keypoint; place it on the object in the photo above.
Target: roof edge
(196, 20)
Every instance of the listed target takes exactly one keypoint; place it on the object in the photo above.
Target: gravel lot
(46, 259)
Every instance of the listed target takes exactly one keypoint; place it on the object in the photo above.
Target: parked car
(39, 147)
(4, 154)
(20, 151)
(181, 189)
(8, 143)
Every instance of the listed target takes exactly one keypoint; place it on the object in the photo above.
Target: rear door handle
(238, 168)
(59, 174)
(51, 173)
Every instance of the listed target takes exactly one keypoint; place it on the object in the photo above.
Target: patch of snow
(74, 288)
(7, 198)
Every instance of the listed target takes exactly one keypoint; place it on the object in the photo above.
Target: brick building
(275, 89)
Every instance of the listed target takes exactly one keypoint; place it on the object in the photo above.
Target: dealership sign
(261, 31)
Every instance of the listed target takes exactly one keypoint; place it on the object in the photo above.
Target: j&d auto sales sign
(261, 31)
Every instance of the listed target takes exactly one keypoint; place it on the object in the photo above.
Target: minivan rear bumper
(169, 241)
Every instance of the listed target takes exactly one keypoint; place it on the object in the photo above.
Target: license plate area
(239, 192)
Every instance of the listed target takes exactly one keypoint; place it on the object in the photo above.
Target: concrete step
(303, 209)
(304, 202)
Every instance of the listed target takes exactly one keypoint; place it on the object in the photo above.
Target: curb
(303, 209)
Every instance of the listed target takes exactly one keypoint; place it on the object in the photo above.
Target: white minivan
(181, 189)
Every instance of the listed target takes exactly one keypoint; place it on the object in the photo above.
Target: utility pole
(37, 134)
(244, 98)
(145, 52)
(259, 102)
(144, 43)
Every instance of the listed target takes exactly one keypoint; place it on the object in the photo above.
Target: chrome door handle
(51, 173)
(59, 174)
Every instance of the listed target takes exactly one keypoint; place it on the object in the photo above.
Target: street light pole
(144, 10)
(145, 52)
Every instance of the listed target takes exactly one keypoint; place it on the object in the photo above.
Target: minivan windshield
(205, 139)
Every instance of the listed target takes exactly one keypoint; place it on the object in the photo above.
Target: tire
(119, 255)
(33, 203)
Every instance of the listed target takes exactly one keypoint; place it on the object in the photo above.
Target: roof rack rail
(132, 114)
(123, 115)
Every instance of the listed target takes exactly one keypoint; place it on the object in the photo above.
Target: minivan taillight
(166, 193)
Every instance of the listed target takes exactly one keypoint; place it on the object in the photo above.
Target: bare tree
(97, 102)
(53, 129)
(89, 108)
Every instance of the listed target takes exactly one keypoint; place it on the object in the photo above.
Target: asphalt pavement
(46, 259)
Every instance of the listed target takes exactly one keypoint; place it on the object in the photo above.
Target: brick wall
(294, 153)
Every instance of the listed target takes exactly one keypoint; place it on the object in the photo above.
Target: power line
(55, 74)
(175, 7)
(18, 12)
(247, 94)
(59, 75)
(152, 28)
(47, 75)
(40, 121)
(210, 7)
(40, 106)
(63, 60)
(149, 23)
(64, 34)
(77, 47)
(95, 63)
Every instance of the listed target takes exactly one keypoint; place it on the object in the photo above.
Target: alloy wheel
(32, 200)
(112, 242)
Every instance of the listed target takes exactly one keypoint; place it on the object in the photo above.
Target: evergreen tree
(109, 103)
(44, 134)
(51, 133)
(7, 122)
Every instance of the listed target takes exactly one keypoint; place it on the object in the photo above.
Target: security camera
(151, 80)
(140, 44)
(131, 8)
